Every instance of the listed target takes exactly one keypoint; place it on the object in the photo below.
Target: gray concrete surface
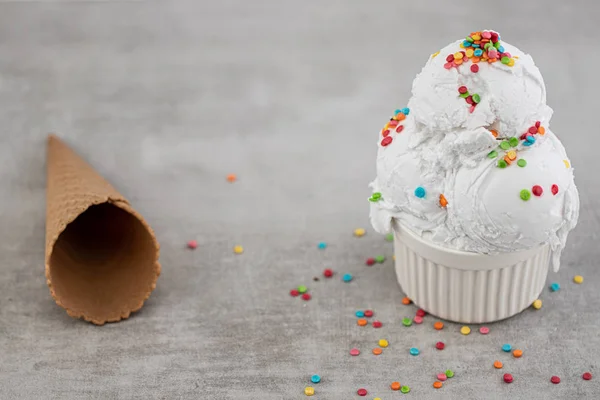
(167, 98)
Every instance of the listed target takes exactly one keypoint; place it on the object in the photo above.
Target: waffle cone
(101, 256)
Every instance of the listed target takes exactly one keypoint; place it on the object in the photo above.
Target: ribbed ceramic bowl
(468, 287)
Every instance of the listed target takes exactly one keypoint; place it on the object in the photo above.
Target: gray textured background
(167, 98)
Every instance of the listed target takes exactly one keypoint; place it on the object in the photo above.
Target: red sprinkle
(555, 379)
(537, 190)
(533, 130)
(508, 378)
(450, 58)
(469, 100)
(554, 189)
(386, 140)
(587, 376)
(462, 89)
(294, 292)
(306, 296)
(368, 313)
(385, 133)
(472, 108)
(475, 68)
(399, 128)
(448, 65)
(328, 273)
(440, 345)
(537, 124)
(192, 244)
(393, 123)
(523, 136)
(354, 352)
(361, 392)
(494, 37)
(421, 312)
(377, 324)
(370, 261)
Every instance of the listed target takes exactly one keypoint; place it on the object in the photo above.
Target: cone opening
(103, 264)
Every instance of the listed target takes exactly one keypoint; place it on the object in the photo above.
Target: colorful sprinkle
(347, 277)
(302, 289)
(389, 237)
(405, 111)
(508, 378)
(238, 249)
(420, 312)
(449, 373)
(506, 348)
(379, 259)
(434, 55)
(377, 351)
(328, 273)
(555, 379)
(440, 345)
(438, 326)
(383, 343)
(418, 320)
(437, 384)
(511, 154)
(306, 296)
(420, 192)
(554, 287)
(362, 322)
(360, 314)
(309, 391)
(484, 330)
(525, 194)
(541, 130)
(517, 353)
(537, 304)
(406, 301)
(442, 376)
(513, 141)
(354, 352)
(368, 313)
(315, 379)
(231, 178)
(521, 163)
(462, 90)
(370, 261)
(578, 279)
(414, 351)
(498, 364)
(554, 189)
(502, 163)
(505, 145)
(567, 164)
(386, 141)
(405, 389)
(587, 376)
(406, 321)
(377, 324)
(474, 68)
(476, 98)
(465, 330)
(361, 392)
(492, 154)
(322, 245)
(395, 386)
(192, 244)
(294, 293)
(359, 232)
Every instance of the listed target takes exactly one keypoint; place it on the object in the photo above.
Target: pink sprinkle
(399, 128)
(554, 189)
(486, 35)
(377, 324)
(469, 100)
(354, 352)
(418, 320)
(474, 68)
(386, 140)
(448, 65)
(472, 109)
(393, 123)
(484, 330)
(442, 376)
(492, 53)
(533, 130)
(192, 244)
(506, 54)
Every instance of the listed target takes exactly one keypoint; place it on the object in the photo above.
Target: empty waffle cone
(101, 256)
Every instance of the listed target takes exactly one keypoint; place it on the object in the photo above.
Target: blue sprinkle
(526, 143)
(501, 49)
(506, 347)
(530, 139)
(405, 111)
(322, 245)
(466, 43)
(414, 351)
(347, 277)
(397, 111)
(360, 314)
(474, 45)
(315, 379)
(420, 192)
(478, 52)
(554, 287)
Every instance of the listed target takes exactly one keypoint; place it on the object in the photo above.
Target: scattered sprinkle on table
(517, 353)
(309, 391)
(358, 232)
(406, 321)
(389, 237)
(555, 379)
(506, 348)
(395, 386)
(377, 324)
(578, 279)
(420, 192)
(465, 330)
(418, 320)
(377, 351)
(354, 352)
(362, 322)
(383, 343)
(380, 259)
(370, 261)
(315, 379)
(498, 364)
(554, 287)
(508, 378)
(449, 373)
(521, 163)
(360, 314)
(361, 392)
(238, 249)
(525, 194)
(347, 277)
(377, 398)
(294, 292)
(328, 273)
(302, 289)
(406, 301)
(587, 376)
(438, 325)
(322, 245)
(231, 178)
(414, 351)
(368, 313)
(420, 312)
(438, 384)
(405, 389)
(192, 244)
(440, 345)
(537, 304)
(306, 296)
(442, 376)
(484, 330)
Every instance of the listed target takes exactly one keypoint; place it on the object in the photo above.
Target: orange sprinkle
(512, 155)
(541, 130)
(377, 351)
(406, 301)
(458, 61)
(395, 385)
(507, 159)
(498, 364)
(494, 132)
(517, 353)
(437, 384)
(475, 60)
(231, 178)
(399, 117)
(362, 322)
(438, 325)
(443, 201)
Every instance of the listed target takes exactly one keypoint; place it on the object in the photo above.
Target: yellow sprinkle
(358, 232)
(238, 249)
(394, 257)
(383, 343)
(309, 391)
(476, 37)
(458, 55)
(469, 52)
(512, 155)
(465, 330)
(511, 62)
(434, 55)
(578, 279)
(567, 163)
(462, 46)
(517, 57)
(537, 304)
(377, 398)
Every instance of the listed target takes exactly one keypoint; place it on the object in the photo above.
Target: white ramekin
(468, 287)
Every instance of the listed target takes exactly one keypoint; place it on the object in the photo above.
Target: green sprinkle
(476, 98)
(525, 195)
(470, 39)
(377, 195)
(405, 389)
(505, 145)
(513, 141)
(502, 164)
(406, 321)
(521, 163)
(493, 154)
(487, 45)
(389, 237)
(302, 289)
(505, 60)
(497, 44)
(380, 259)
(449, 373)
(464, 95)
